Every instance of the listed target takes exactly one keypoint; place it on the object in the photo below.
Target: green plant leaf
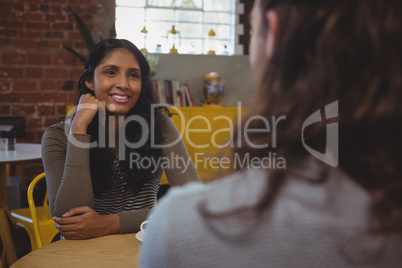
(88, 38)
(75, 53)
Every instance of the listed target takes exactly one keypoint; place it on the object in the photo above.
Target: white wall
(234, 71)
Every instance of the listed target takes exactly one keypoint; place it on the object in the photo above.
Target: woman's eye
(110, 72)
(135, 75)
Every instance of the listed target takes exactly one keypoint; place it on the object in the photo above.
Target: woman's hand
(84, 222)
(88, 106)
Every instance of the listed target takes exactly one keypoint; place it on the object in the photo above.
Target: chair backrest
(32, 208)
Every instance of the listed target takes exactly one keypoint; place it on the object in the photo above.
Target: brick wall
(38, 76)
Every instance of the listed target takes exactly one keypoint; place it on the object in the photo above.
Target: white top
(22, 152)
(312, 224)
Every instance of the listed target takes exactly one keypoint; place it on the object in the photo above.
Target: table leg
(5, 233)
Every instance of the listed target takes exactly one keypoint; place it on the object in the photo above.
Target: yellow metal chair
(37, 221)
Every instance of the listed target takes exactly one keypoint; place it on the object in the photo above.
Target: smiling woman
(92, 189)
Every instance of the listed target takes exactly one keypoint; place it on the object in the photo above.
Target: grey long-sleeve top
(68, 176)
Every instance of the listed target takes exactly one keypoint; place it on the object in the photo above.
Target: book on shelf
(160, 89)
(171, 91)
(189, 96)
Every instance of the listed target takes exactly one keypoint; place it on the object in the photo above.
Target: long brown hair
(348, 51)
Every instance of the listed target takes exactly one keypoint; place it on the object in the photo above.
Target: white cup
(143, 226)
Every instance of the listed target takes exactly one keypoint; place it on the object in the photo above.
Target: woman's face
(117, 81)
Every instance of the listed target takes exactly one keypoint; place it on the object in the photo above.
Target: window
(192, 19)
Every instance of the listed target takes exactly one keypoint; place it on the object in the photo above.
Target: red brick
(60, 83)
(33, 123)
(29, 137)
(18, 7)
(56, 73)
(10, 72)
(23, 43)
(62, 59)
(10, 97)
(51, 121)
(77, 9)
(74, 35)
(6, 6)
(79, 2)
(4, 85)
(14, 58)
(7, 15)
(73, 96)
(45, 110)
(79, 45)
(67, 43)
(44, 8)
(54, 35)
(39, 59)
(46, 84)
(5, 109)
(54, 44)
(22, 110)
(61, 110)
(31, 97)
(32, 72)
(5, 42)
(31, 6)
(62, 26)
(31, 17)
(37, 26)
(50, 17)
(76, 73)
(55, 8)
(30, 34)
(42, 44)
(91, 10)
(25, 85)
(8, 33)
(59, 97)
(12, 24)
(59, 1)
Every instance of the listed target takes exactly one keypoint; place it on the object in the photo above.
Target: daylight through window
(149, 23)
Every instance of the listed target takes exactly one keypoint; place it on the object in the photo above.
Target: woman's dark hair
(101, 159)
(345, 51)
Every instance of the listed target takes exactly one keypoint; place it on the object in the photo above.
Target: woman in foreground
(103, 166)
(332, 70)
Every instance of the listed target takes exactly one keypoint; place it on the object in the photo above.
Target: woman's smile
(118, 97)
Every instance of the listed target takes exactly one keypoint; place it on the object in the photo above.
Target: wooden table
(23, 152)
(106, 251)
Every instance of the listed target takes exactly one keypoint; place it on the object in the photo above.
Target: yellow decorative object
(212, 78)
(69, 108)
(210, 42)
(145, 32)
(173, 38)
(213, 88)
(37, 221)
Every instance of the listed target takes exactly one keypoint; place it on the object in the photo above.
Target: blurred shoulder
(240, 188)
(55, 131)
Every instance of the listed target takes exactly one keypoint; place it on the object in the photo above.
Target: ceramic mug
(143, 226)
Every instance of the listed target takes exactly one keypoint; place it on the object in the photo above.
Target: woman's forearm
(67, 171)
